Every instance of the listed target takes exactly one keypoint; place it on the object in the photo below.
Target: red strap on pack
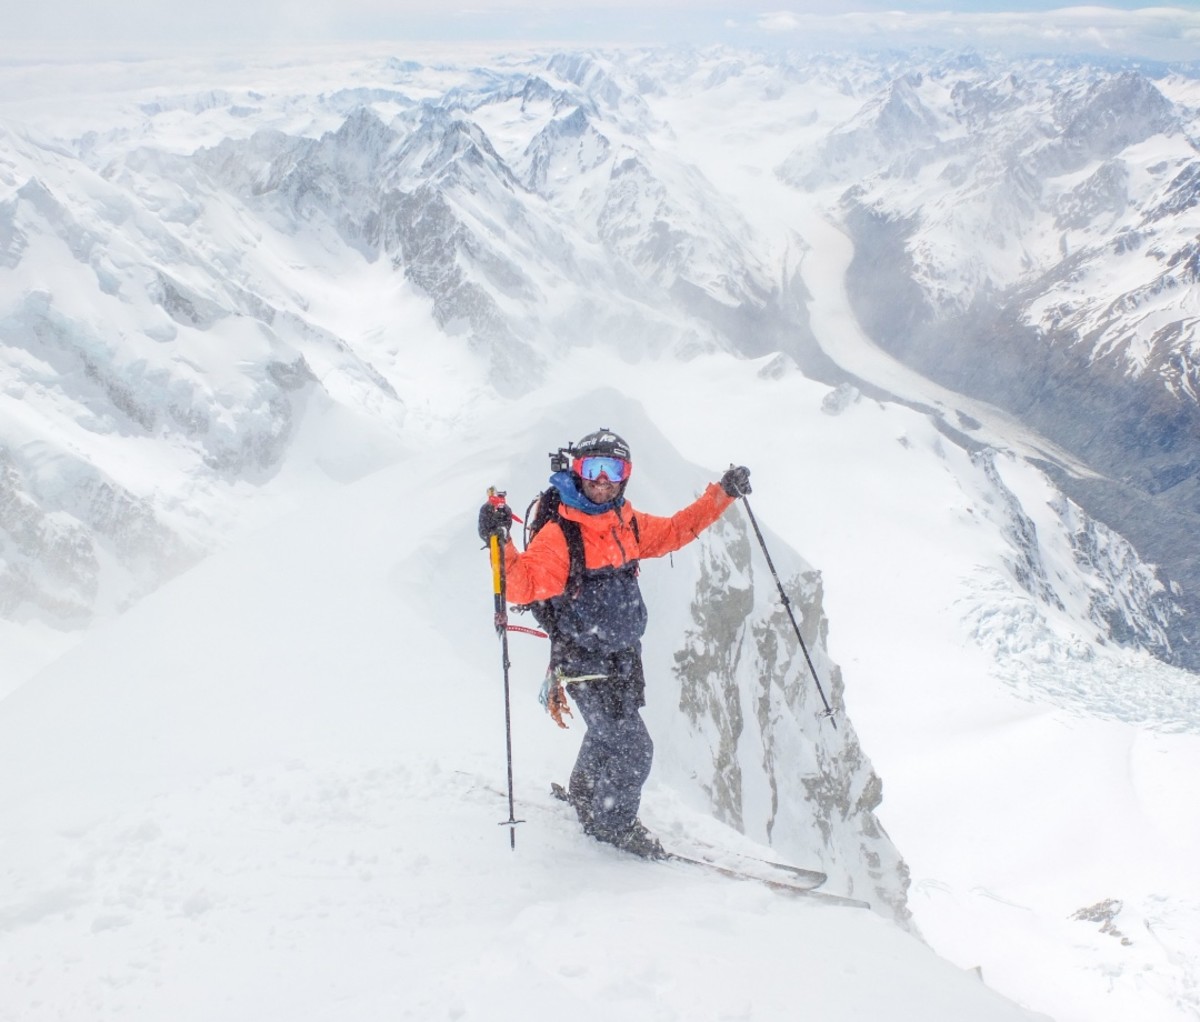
(528, 631)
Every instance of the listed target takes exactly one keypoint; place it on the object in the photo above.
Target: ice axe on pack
(742, 489)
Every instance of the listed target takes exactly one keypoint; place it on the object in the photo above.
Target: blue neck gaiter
(572, 496)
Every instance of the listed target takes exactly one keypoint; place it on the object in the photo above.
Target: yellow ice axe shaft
(496, 552)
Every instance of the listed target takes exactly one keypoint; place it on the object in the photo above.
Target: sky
(137, 27)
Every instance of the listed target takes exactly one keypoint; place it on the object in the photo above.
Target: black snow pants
(614, 758)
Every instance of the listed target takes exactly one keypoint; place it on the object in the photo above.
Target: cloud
(778, 21)
(1169, 33)
(1164, 33)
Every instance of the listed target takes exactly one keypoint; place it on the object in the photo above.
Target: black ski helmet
(605, 442)
(602, 441)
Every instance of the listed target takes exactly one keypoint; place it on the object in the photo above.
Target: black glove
(736, 481)
(494, 518)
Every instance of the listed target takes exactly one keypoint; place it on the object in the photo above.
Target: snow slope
(272, 789)
(286, 766)
(1024, 781)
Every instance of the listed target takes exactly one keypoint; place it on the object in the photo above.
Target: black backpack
(542, 509)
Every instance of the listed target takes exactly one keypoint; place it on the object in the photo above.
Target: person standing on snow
(599, 618)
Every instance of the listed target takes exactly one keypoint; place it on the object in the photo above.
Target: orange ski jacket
(609, 541)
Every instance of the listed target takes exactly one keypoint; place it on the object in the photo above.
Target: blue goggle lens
(594, 466)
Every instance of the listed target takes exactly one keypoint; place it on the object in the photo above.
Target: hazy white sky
(139, 26)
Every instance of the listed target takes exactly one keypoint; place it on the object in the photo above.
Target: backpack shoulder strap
(573, 534)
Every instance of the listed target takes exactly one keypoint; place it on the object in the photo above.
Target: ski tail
(800, 890)
(745, 866)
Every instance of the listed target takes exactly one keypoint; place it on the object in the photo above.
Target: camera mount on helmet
(560, 460)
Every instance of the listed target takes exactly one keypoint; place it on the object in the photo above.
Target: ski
(801, 879)
(813, 877)
(783, 886)
(798, 882)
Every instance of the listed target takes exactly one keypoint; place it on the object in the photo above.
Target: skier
(599, 620)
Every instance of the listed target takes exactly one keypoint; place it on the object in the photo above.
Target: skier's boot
(637, 840)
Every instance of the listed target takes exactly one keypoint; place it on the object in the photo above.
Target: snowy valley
(268, 330)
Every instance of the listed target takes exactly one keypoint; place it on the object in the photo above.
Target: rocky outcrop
(766, 758)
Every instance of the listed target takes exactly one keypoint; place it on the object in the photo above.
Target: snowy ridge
(171, 246)
(1016, 171)
(233, 808)
(109, 337)
(1075, 568)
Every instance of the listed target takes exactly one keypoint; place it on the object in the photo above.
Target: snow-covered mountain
(180, 219)
(550, 203)
(230, 290)
(1028, 234)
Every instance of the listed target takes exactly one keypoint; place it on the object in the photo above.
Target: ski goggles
(593, 466)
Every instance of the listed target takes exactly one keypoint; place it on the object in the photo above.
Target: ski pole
(787, 603)
(496, 550)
